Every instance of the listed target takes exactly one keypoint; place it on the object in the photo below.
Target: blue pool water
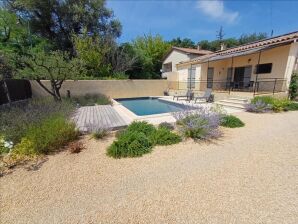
(148, 106)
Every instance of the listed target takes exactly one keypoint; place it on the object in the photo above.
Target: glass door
(210, 74)
(191, 79)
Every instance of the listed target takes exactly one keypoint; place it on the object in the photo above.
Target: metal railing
(261, 86)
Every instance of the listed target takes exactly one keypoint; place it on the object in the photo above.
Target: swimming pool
(149, 105)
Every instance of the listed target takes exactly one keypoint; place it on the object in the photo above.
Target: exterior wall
(292, 65)
(283, 59)
(175, 57)
(277, 56)
(111, 88)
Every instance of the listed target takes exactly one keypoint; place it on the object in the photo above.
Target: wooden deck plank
(101, 116)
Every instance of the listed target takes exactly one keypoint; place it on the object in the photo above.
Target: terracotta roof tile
(257, 44)
(193, 51)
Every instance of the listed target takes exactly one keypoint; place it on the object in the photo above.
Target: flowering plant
(259, 107)
(198, 123)
(5, 146)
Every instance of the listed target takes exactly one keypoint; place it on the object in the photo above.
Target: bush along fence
(12, 90)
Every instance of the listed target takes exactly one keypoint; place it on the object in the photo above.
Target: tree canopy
(36, 34)
(231, 42)
(58, 20)
(55, 66)
(150, 51)
(185, 42)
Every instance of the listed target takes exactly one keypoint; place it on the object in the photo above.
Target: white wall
(183, 72)
(291, 64)
(175, 57)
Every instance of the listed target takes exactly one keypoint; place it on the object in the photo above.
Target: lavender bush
(199, 123)
(15, 119)
(258, 106)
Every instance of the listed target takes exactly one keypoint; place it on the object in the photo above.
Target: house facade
(175, 56)
(260, 67)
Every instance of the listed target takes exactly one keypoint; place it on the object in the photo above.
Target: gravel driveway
(248, 176)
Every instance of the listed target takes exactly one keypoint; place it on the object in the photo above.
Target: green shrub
(264, 99)
(166, 125)
(17, 118)
(130, 144)
(92, 99)
(101, 133)
(46, 136)
(139, 138)
(293, 88)
(141, 126)
(292, 106)
(276, 104)
(231, 121)
(163, 136)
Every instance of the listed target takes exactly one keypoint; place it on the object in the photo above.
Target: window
(263, 68)
(167, 67)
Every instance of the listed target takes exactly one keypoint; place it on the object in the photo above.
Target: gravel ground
(248, 176)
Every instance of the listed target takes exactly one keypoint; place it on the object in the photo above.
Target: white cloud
(216, 10)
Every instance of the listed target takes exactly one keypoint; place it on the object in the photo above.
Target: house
(263, 66)
(178, 54)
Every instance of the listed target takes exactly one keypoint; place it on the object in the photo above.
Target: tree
(5, 68)
(54, 66)
(248, 38)
(150, 51)
(186, 42)
(121, 58)
(92, 50)
(230, 42)
(58, 20)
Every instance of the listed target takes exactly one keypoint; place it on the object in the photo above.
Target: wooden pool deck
(92, 118)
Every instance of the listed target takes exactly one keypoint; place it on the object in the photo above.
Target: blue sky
(198, 20)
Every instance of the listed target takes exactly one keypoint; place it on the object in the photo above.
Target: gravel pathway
(248, 176)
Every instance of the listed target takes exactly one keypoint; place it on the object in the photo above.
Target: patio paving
(96, 117)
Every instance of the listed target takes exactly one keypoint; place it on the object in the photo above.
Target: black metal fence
(261, 86)
(12, 90)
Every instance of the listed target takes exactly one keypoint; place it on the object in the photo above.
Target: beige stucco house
(175, 56)
(258, 67)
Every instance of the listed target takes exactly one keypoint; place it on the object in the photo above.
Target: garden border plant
(200, 123)
(231, 121)
(35, 127)
(262, 104)
(139, 138)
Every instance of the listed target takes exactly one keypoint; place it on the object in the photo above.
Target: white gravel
(248, 176)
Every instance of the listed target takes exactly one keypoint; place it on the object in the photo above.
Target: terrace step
(235, 103)
(231, 105)
(238, 99)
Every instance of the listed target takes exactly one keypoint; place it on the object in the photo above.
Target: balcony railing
(261, 86)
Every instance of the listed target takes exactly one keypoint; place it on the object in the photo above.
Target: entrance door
(242, 77)
(210, 74)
